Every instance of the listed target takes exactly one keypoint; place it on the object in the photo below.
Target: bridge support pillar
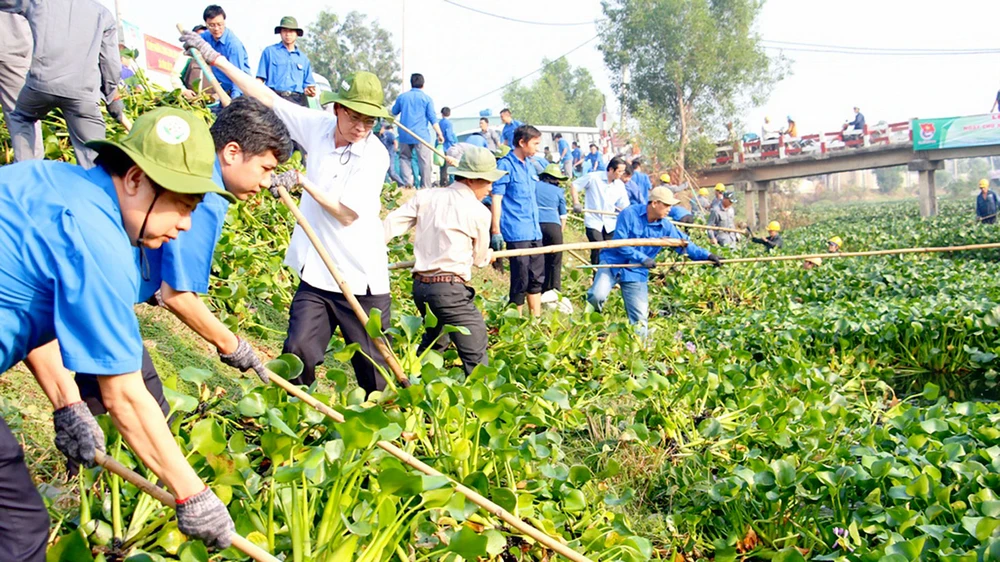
(925, 185)
(762, 203)
(747, 187)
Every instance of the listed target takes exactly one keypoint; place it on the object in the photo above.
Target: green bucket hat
(554, 171)
(478, 164)
(174, 148)
(499, 153)
(362, 92)
(288, 22)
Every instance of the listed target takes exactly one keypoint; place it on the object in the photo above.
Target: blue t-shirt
(507, 135)
(642, 180)
(476, 139)
(633, 222)
(677, 212)
(66, 269)
(538, 165)
(448, 132)
(636, 194)
(593, 162)
(186, 263)
(388, 139)
(565, 155)
(232, 48)
(285, 71)
(551, 202)
(576, 154)
(416, 113)
(519, 208)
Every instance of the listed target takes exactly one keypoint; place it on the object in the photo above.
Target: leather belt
(438, 278)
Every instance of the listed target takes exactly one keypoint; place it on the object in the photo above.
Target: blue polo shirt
(576, 154)
(285, 71)
(636, 194)
(565, 155)
(633, 222)
(186, 263)
(593, 162)
(416, 113)
(66, 269)
(677, 212)
(551, 202)
(507, 135)
(642, 180)
(519, 209)
(476, 139)
(232, 48)
(388, 139)
(448, 132)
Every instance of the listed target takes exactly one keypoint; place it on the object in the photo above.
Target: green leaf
(789, 554)
(374, 325)
(784, 472)
(468, 544)
(274, 420)
(580, 475)
(557, 396)
(931, 391)
(70, 548)
(496, 542)
(252, 406)
(487, 411)
(180, 402)
(193, 375)
(934, 425)
(207, 437)
(920, 487)
(287, 366)
(193, 551)
(575, 501)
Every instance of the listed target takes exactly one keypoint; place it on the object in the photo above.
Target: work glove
(203, 516)
(577, 208)
(287, 180)
(77, 434)
(649, 263)
(496, 242)
(716, 260)
(245, 359)
(192, 40)
(116, 109)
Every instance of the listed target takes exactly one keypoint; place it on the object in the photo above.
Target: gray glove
(245, 359)
(716, 260)
(116, 109)
(203, 516)
(287, 180)
(77, 434)
(496, 242)
(192, 40)
(648, 263)
(577, 208)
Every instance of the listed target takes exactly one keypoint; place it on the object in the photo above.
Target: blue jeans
(635, 295)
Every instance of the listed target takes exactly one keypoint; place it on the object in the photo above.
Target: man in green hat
(452, 234)
(551, 197)
(347, 167)
(284, 68)
(67, 271)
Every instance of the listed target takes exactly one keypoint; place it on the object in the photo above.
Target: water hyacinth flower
(842, 540)
(690, 347)
(678, 336)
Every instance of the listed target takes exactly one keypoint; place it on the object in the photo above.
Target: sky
(464, 55)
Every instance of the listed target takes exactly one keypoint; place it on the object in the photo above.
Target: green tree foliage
(337, 48)
(563, 95)
(889, 179)
(694, 62)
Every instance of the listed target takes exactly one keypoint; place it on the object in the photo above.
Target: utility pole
(402, 51)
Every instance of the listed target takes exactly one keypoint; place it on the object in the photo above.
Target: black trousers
(595, 235)
(552, 235)
(24, 521)
(453, 304)
(90, 390)
(314, 316)
(527, 273)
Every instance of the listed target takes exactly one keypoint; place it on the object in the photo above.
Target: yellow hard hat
(703, 192)
(836, 240)
(720, 188)
(984, 183)
(774, 225)
(815, 261)
(665, 178)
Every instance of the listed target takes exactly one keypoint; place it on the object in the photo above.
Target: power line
(875, 53)
(537, 70)
(882, 49)
(503, 17)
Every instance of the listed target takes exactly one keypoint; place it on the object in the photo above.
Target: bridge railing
(783, 146)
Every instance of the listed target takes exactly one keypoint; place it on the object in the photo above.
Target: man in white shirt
(345, 173)
(603, 191)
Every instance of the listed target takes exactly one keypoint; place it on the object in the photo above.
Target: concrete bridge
(767, 161)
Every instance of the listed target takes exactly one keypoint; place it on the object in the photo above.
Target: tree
(337, 49)
(696, 62)
(889, 179)
(562, 95)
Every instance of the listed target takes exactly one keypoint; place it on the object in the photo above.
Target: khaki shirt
(452, 230)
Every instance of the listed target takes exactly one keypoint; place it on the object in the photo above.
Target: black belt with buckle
(438, 278)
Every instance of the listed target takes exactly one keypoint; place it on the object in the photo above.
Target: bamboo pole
(421, 141)
(470, 494)
(578, 257)
(554, 249)
(111, 465)
(206, 71)
(380, 343)
(929, 250)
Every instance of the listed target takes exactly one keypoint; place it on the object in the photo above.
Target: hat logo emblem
(344, 85)
(173, 129)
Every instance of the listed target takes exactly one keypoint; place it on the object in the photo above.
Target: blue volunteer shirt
(476, 139)
(636, 194)
(66, 269)
(565, 155)
(507, 135)
(642, 180)
(593, 162)
(551, 201)
(633, 222)
(577, 154)
(232, 48)
(416, 113)
(519, 207)
(677, 212)
(448, 132)
(388, 139)
(538, 165)
(285, 71)
(186, 263)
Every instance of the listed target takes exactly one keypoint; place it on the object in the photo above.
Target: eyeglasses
(219, 25)
(358, 119)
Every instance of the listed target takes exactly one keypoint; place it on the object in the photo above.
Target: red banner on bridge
(160, 55)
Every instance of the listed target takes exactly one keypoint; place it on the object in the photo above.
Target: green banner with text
(956, 132)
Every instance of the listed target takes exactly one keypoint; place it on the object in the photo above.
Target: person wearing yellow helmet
(812, 263)
(720, 192)
(834, 244)
(773, 239)
(987, 203)
(703, 202)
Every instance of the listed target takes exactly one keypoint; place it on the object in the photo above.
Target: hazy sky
(464, 55)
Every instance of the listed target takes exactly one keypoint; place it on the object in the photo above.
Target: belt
(289, 94)
(438, 278)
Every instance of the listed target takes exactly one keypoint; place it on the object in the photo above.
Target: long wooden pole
(110, 464)
(206, 71)
(929, 250)
(556, 248)
(676, 223)
(470, 494)
(420, 140)
(380, 343)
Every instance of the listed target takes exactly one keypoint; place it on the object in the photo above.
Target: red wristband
(181, 501)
